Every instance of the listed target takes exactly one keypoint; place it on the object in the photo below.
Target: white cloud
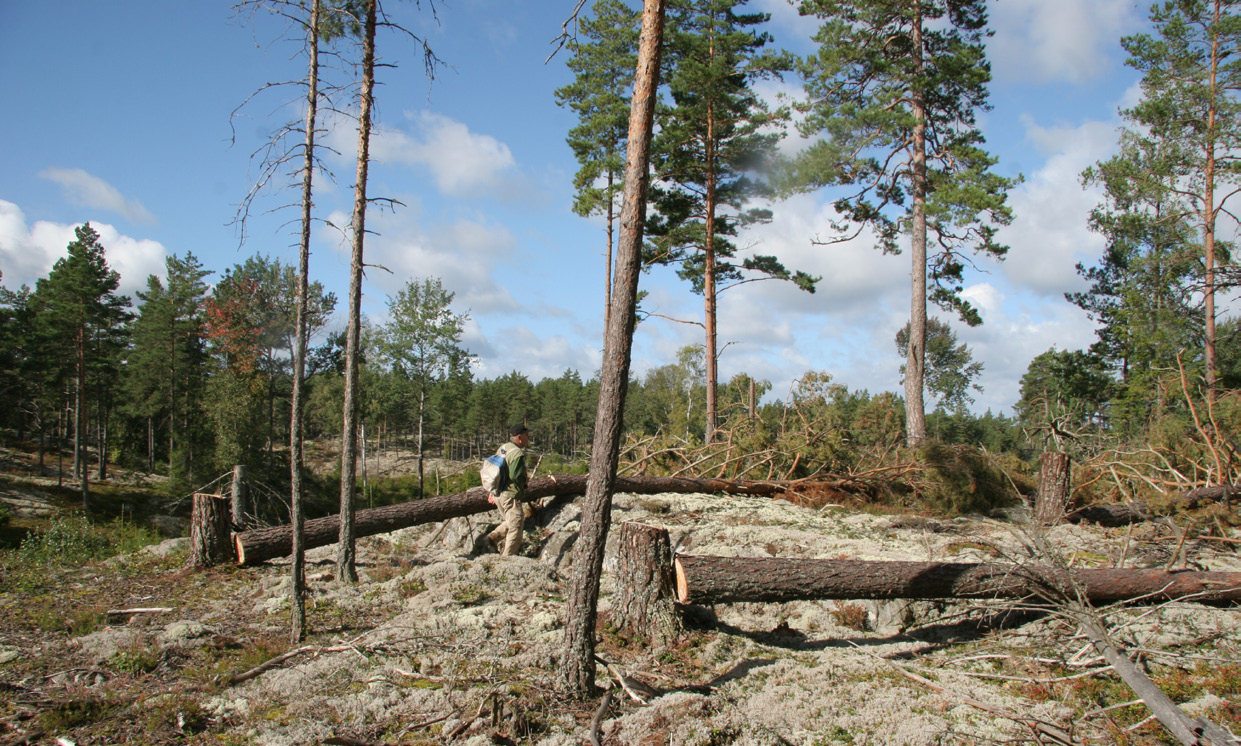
(86, 190)
(1049, 233)
(463, 162)
(28, 254)
(536, 356)
(1058, 40)
(466, 255)
(1017, 329)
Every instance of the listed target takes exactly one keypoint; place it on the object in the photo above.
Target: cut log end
(682, 582)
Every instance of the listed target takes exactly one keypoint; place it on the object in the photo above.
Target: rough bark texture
(345, 555)
(239, 505)
(1053, 488)
(261, 545)
(209, 531)
(297, 512)
(577, 664)
(1222, 493)
(644, 603)
(915, 361)
(708, 580)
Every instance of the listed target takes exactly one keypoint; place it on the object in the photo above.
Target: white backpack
(494, 474)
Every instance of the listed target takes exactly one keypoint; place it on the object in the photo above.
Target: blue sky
(122, 114)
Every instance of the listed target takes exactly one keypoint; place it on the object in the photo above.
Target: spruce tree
(166, 372)
(1144, 292)
(893, 92)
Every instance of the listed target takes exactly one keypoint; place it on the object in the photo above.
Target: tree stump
(210, 533)
(645, 600)
(1053, 488)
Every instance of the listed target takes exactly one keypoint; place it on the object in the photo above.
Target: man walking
(506, 538)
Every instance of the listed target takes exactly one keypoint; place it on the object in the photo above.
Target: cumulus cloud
(1058, 40)
(1049, 233)
(464, 254)
(1019, 327)
(536, 355)
(462, 162)
(28, 253)
(86, 190)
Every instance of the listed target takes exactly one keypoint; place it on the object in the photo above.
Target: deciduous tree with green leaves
(716, 137)
(950, 367)
(893, 94)
(422, 344)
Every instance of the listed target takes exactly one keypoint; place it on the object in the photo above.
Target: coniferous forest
(975, 546)
(196, 373)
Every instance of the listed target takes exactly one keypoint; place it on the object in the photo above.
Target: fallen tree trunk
(264, 544)
(709, 580)
(1122, 514)
(1119, 514)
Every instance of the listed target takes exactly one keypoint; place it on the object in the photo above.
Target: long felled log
(708, 580)
(264, 544)
(1122, 514)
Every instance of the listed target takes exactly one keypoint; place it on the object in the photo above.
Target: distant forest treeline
(195, 379)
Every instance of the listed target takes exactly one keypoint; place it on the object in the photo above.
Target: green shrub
(72, 541)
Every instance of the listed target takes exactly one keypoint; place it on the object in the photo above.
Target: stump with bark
(644, 603)
(1053, 488)
(210, 531)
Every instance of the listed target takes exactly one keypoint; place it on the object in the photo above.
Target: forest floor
(443, 641)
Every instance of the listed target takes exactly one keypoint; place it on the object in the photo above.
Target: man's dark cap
(516, 430)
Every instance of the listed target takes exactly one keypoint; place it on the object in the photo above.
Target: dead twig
(265, 667)
(596, 723)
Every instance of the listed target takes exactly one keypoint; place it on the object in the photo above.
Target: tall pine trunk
(297, 516)
(346, 550)
(915, 408)
(1209, 212)
(81, 468)
(577, 669)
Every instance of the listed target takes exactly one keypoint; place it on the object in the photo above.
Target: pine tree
(604, 66)
(1144, 292)
(894, 90)
(81, 323)
(15, 338)
(577, 663)
(1190, 114)
(714, 137)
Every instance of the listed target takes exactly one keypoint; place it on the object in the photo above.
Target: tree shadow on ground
(934, 636)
